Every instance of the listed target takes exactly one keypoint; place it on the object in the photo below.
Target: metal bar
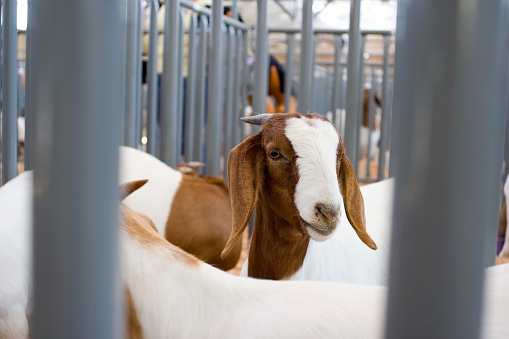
(245, 80)
(208, 13)
(215, 95)
(353, 85)
(359, 109)
(129, 126)
(238, 90)
(181, 93)
(286, 10)
(170, 82)
(80, 102)
(199, 129)
(337, 82)
(290, 59)
(371, 110)
(261, 59)
(235, 9)
(190, 112)
(230, 72)
(306, 58)
(152, 125)
(139, 90)
(386, 113)
(9, 91)
(448, 170)
(30, 110)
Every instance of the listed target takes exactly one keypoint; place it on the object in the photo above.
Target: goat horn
(257, 119)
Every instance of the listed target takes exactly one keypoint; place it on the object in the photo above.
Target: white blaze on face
(315, 143)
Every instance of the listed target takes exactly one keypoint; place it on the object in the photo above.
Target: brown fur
(130, 187)
(279, 241)
(206, 198)
(134, 330)
(366, 104)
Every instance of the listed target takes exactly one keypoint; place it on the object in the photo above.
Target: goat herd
(180, 232)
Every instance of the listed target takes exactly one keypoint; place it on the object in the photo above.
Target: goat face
(297, 166)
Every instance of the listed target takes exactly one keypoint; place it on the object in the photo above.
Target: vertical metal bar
(245, 81)
(170, 86)
(199, 130)
(131, 79)
(371, 113)
(336, 82)
(9, 91)
(152, 81)
(215, 95)
(290, 59)
(235, 10)
(181, 93)
(386, 114)
(139, 90)
(30, 110)
(448, 170)
(261, 58)
(353, 83)
(306, 58)
(190, 117)
(238, 90)
(360, 108)
(230, 72)
(80, 102)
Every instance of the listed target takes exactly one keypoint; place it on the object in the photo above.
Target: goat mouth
(317, 231)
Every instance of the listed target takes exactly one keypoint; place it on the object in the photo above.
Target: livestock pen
(85, 97)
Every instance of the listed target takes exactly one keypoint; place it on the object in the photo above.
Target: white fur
(156, 197)
(175, 300)
(344, 257)
(15, 255)
(504, 252)
(315, 143)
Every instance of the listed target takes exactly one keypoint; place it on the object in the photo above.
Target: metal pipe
(386, 113)
(190, 113)
(230, 72)
(353, 83)
(30, 115)
(447, 169)
(180, 82)
(238, 90)
(129, 126)
(199, 129)
(139, 90)
(306, 58)
(215, 93)
(80, 102)
(290, 59)
(261, 59)
(152, 124)
(9, 91)
(170, 86)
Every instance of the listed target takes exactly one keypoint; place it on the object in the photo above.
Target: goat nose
(327, 212)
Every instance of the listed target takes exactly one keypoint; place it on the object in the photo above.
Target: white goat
(296, 174)
(190, 210)
(176, 296)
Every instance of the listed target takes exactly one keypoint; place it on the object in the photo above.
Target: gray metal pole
(386, 114)
(448, 138)
(306, 58)
(261, 59)
(290, 59)
(353, 83)
(9, 91)
(190, 117)
(138, 116)
(230, 72)
(30, 111)
(336, 84)
(170, 86)
(199, 130)
(215, 93)
(80, 102)
(152, 144)
(180, 94)
(238, 85)
(131, 79)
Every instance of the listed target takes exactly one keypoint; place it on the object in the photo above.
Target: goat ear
(130, 187)
(245, 175)
(353, 201)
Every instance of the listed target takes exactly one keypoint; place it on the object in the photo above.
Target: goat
(296, 173)
(174, 295)
(190, 210)
(504, 252)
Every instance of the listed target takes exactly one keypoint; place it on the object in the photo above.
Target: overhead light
(366, 55)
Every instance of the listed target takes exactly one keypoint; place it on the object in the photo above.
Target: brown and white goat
(296, 173)
(190, 210)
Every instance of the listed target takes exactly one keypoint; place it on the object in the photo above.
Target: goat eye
(274, 154)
